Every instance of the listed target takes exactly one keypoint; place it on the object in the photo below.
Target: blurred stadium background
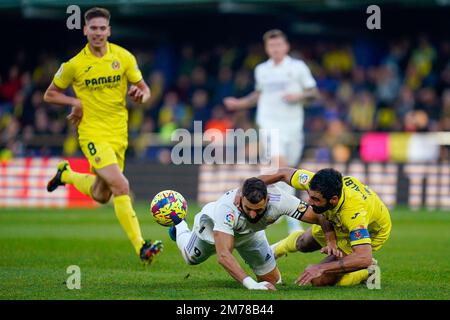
(383, 116)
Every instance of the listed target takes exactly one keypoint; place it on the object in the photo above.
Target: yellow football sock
(129, 221)
(288, 244)
(352, 278)
(81, 181)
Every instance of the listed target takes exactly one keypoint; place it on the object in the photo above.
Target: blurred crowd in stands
(406, 88)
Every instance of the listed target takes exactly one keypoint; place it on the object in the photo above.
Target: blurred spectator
(219, 119)
(188, 61)
(200, 105)
(427, 101)
(362, 112)
(174, 111)
(10, 87)
(407, 88)
(224, 85)
(404, 104)
(388, 84)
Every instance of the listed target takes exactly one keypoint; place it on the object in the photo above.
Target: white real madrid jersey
(222, 215)
(275, 81)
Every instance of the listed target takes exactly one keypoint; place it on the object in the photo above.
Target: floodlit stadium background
(383, 116)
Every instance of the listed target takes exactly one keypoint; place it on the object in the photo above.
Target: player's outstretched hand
(309, 274)
(331, 250)
(136, 94)
(76, 114)
(231, 103)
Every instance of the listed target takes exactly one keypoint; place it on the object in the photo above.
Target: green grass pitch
(37, 246)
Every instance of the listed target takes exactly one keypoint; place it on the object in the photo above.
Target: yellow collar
(88, 51)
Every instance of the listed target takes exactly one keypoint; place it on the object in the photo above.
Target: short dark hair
(328, 182)
(96, 12)
(274, 33)
(254, 190)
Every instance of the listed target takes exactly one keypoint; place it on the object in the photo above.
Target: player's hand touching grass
(251, 284)
(310, 273)
(76, 114)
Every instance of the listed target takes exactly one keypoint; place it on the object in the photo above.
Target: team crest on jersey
(115, 65)
(229, 220)
(303, 178)
(97, 160)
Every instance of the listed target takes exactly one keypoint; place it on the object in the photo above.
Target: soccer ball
(165, 203)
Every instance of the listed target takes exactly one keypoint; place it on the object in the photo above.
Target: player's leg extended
(193, 249)
(83, 182)
(119, 186)
(297, 241)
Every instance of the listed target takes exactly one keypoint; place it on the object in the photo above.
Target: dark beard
(321, 209)
(254, 220)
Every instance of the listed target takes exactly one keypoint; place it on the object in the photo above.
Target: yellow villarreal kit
(359, 218)
(101, 85)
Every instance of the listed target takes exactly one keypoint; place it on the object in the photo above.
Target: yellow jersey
(101, 85)
(360, 213)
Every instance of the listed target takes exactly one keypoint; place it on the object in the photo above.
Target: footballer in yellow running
(100, 74)
(360, 220)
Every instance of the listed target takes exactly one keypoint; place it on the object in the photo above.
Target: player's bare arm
(249, 101)
(283, 174)
(55, 95)
(139, 92)
(307, 96)
(361, 258)
(313, 218)
(224, 247)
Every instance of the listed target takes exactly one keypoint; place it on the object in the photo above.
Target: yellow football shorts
(101, 153)
(343, 239)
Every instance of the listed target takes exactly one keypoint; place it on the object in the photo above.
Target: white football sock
(183, 235)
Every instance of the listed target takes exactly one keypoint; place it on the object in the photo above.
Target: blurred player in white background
(283, 85)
